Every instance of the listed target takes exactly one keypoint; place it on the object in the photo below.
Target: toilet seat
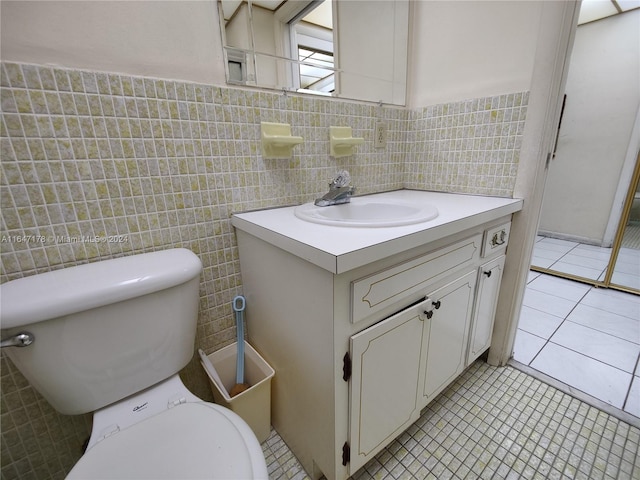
(191, 440)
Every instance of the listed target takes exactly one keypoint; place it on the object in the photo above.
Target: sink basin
(368, 212)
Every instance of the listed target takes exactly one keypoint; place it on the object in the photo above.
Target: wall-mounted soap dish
(277, 141)
(342, 141)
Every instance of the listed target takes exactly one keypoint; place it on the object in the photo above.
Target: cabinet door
(384, 385)
(446, 334)
(489, 279)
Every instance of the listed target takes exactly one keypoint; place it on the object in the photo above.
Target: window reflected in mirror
(341, 48)
(312, 37)
(316, 70)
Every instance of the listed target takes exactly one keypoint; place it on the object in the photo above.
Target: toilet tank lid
(74, 289)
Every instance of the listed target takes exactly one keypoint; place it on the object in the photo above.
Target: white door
(384, 385)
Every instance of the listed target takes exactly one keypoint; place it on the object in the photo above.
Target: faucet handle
(342, 179)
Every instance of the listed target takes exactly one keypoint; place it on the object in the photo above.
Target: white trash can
(254, 404)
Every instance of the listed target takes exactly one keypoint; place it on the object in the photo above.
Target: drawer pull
(436, 305)
(499, 238)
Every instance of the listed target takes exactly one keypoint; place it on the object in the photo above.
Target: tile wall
(471, 146)
(97, 165)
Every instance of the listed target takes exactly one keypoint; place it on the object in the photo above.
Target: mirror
(584, 213)
(318, 46)
(625, 271)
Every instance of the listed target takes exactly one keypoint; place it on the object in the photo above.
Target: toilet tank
(104, 330)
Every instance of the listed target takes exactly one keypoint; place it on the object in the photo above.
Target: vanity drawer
(496, 239)
(381, 292)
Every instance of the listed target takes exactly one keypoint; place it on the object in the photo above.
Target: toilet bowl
(110, 338)
(167, 432)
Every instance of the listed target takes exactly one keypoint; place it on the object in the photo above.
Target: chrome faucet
(339, 191)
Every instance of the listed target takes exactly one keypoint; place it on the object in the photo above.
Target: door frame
(556, 35)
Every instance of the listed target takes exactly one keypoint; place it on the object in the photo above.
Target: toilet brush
(238, 307)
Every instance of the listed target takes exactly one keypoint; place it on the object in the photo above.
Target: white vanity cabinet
(364, 336)
(401, 363)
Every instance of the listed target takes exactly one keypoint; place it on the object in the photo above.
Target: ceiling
(321, 15)
(230, 6)
(592, 10)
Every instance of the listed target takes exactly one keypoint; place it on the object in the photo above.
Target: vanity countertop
(339, 249)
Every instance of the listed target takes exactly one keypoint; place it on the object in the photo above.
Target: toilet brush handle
(238, 307)
(240, 343)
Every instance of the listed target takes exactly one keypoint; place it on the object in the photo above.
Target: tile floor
(587, 261)
(496, 423)
(585, 337)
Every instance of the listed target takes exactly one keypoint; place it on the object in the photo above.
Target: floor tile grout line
(603, 310)
(572, 249)
(542, 311)
(564, 319)
(557, 296)
(592, 358)
(599, 331)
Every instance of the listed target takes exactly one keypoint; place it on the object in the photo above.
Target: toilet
(110, 337)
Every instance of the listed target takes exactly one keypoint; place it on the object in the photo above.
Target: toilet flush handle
(22, 339)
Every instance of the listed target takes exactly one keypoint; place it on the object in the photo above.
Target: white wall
(237, 31)
(603, 96)
(181, 40)
(265, 42)
(371, 50)
(490, 52)
(165, 39)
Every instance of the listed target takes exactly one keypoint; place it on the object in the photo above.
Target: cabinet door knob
(428, 313)
(436, 305)
(488, 274)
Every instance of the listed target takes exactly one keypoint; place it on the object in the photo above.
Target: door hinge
(346, 367)
(175, 401)
(346, 454)
(108, 431)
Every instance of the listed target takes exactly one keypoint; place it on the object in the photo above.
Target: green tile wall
(472, 146)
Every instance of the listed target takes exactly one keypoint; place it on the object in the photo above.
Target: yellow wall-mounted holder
(342, 141)
(277, 141)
